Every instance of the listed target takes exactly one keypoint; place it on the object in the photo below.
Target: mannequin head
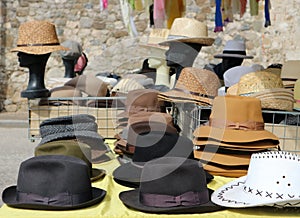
(69, 67)
(229, 62)
(155, 62)
(30, 60)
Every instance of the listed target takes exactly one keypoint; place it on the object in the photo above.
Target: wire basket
(283, 124)
(104, 109)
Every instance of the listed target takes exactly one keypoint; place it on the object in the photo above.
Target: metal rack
(284, 124)
(104, 109)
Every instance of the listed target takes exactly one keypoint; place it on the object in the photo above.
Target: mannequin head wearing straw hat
(36, 41)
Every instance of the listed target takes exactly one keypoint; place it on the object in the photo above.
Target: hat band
(185, 199)
(61, 199)
(194, 93)
(234, 52)
(38, 44)
(247, 125)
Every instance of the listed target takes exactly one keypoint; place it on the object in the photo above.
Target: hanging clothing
(138, 4)
(227, 11)
(254, 7)
(236, 6)
(218, 17)
(267, 13)
(243, 7)
(127, 18)
(159, 13)
(151, 18)
(174, 9)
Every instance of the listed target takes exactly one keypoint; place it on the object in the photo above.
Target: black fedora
(171, 185)
(71, 148)
(149, 146)
(81, 127)
(44, 184)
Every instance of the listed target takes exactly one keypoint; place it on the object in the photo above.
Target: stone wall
(111, 48)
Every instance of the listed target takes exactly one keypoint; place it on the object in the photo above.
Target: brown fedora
(235, 119)
(194, 85)
(37, 37)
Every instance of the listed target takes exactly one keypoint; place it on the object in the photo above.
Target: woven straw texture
(38, 37)
(191, 84)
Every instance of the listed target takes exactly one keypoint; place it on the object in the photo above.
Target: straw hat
(37, 37)
(194, 85)
(234, 49)
(188, 30)
(268, 87)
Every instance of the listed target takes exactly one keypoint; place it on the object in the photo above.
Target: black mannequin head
(28, 60)
(229, 62)
(69, 67)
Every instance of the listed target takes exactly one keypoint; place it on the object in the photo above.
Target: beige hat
(126, 85)
(37, 37)
(290, 72)
(188, 30)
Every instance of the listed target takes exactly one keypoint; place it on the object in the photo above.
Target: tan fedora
(37, 37)
(226, 171)
(194, 85)
(188, 30)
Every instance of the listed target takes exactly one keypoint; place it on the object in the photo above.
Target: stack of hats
(53, 182)
(235, 131)
(267, 87)
(198, 86)
(79, 127)
(290, 72)
(142, 123)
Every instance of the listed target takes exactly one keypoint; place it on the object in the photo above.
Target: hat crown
(188, 28)
(39, 176)
(173, 176)
(200, 81)
(157, 35)
(75, 50)
(37, 32)
(225, 108)
(235, 45)
(258, 81)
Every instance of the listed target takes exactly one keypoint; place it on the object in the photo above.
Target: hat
(126, 85)
(62, 92)
(234, 49)
(297, 95)
(194, 85)
(81, 127)
(71, 148)
(188, 30)
(235, 119)
(268, 87)
(89, 84)
(75, 50)
(37, 37)
(271, 180)
(171, 185)
(290, 72)
(150, 146)
(44, 183)
(141, 100)
(233, 75)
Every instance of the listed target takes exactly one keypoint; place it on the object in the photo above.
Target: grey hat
(75, 50)
(81, 127)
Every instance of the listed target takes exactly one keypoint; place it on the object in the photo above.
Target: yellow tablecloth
(112, 207)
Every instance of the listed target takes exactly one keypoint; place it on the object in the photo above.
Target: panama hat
(194, 85)
(271, 180)
(74, 52)
(38, 37)
(171, 185)
(235, 119)
(188, 30)
(233, 75)
(53, 182)
(234, 49)
(71, 148)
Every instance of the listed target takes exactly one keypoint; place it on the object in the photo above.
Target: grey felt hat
(75, 50)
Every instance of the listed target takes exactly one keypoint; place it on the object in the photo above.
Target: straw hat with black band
(38, 37)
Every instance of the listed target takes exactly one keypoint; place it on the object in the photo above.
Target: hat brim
(233, 56)
(131, 200)
(9, 197)
(233, 195)
(232, 135)
(177, 96)
(97, 174)
(38, 50)
(204, 41)
(128, 174)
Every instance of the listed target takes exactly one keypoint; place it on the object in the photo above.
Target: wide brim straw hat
(234, 49)
(156, 36)
(271, 181)
(188, 30)
(194, 85)
(38, 37)
(236, 119)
